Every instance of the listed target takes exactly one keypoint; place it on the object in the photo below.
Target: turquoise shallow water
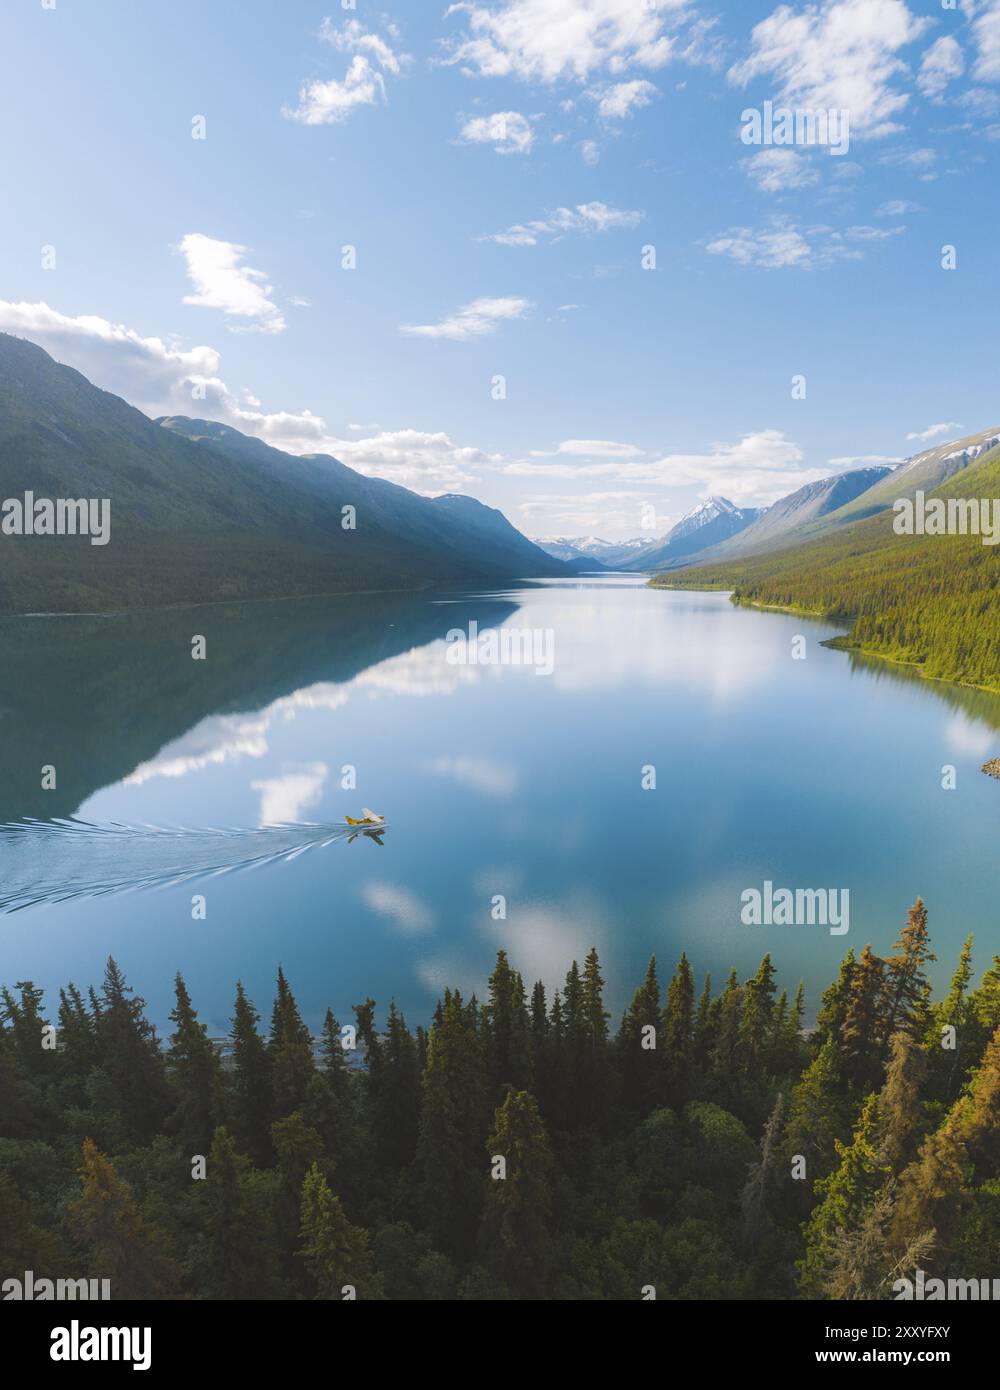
(496, 780)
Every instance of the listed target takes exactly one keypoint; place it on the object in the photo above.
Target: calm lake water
(812, 773)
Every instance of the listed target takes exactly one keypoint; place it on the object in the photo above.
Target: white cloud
(622, 98)
(284, 799)
(784, 244)
(223, 738)
(986, 32)
(403, 908)
(910, 159)
(326, 103)
(363, 84)
(161, 379)
(484, 775)
(897, 207)
(153, 375)
(773, 249)
(863, 233)
(221, 282)
(850, 461)
(980, 102)
(971, 737)
(412, 457)
(777, 170)
(840, 55)
(942, 62)
(590, 152)
(608, 513)
(507, 131)
(542, 40)
(473, 320)
(758, 469)
(591, 448)
(585, 217)
(353, 37)
(934, 431)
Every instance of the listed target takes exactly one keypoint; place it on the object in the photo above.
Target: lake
(776, 760)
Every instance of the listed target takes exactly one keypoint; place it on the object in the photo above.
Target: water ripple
(55, 860)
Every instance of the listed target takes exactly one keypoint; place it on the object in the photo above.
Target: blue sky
(500, 167)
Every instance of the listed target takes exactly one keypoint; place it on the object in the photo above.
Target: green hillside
(202, 513)
(933, 601)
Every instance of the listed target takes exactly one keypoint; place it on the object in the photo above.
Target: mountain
(131, 690)
(930, 601)
(920, 473)
(825, 506)
(712, 521)
(200, 512)
(782, 522)
(603, 554)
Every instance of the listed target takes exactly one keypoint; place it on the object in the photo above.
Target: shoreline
(430, 585)
(209, 603)
(836, 644)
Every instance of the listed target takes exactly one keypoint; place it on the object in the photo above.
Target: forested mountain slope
(201, 512)
(931, 600)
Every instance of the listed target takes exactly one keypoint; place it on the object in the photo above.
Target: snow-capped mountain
(711, 521)
(595, 548)
(702, 515)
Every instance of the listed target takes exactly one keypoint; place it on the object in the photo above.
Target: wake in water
(53, 861)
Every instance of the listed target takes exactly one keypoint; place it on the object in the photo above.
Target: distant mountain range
(713, 521)
(710, 521)
(930, 601)
(830, 549)
(598, 553)
(774, 526)
(717, 530)
(200, 512)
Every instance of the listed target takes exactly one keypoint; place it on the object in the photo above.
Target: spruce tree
(507, 1028)
(756, 1022)
(335, 1253)
(640, 1046)
(195, 1076)
(864, 1021)
(899, 1100)
(130, 1055)
(515, 1240)
(119, 1245)
(332, 1052)
(835, 1002)
(593, 1078)
(905, 981)
(253, 1104)
(845, 1196)
(290, 1052)
(678, 1034)
(817, 1118)
(394, 1079)
(727, 1012)
(234, 1256)
(932, 1186)
(704, 1028)
(954, 1020)
(78, 1046)
(454, 1120)
(24, 1022)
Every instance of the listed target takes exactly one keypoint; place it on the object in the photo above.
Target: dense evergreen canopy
(932, 601)
(711, 1148)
